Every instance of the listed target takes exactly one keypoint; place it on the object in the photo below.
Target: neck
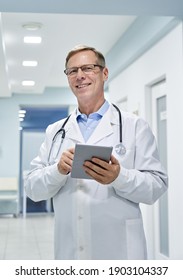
(90, 107)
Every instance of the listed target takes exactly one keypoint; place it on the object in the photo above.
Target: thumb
(114, 160)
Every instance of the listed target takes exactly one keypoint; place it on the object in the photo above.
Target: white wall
(164, 59)
(31, 144)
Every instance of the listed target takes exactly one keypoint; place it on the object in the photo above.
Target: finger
(92, 166)
(68, 154)
(102, 171)
(66, 160)
(71, 150)
(114, 160)
(103, 178)
(93, 169)
(93, 173)
(101, 163)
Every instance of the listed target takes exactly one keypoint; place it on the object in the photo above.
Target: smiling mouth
(83, 85)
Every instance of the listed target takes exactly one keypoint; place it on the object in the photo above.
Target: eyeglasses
(87, 69)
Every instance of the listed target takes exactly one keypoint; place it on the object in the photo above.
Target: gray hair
(80, 48)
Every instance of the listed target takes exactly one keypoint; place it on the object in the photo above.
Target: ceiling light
(28, 83)
(32, 40)
(22, 111)
(31, 63)
(32, 26)
(21, 119)
(21, 115)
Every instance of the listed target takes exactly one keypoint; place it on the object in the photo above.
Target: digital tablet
(86, 152)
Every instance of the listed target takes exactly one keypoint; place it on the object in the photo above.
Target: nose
(80, 74)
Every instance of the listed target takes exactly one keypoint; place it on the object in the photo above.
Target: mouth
(83, 85)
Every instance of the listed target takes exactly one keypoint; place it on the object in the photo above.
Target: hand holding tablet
(87, 152)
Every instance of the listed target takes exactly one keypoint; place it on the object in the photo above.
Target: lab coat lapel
(103, 129)
(73, 131)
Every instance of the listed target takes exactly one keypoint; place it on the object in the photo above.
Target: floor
(27, 238)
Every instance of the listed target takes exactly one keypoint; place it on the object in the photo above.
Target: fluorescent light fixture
(31, 63)
(32, 40)
(22, 111)
(21, 115)
(21, 119)
(28, 83)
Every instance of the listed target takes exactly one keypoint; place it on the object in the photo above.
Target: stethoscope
(119, 148)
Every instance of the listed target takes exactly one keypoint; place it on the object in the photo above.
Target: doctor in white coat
(98, 218)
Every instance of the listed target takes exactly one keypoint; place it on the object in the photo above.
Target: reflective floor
(27, 238)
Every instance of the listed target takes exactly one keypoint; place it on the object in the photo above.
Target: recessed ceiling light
(28, 83)
(32, 40)
(32, 25)
(32, 63)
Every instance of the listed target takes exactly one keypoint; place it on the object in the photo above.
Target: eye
(72, 71)
(87, 68)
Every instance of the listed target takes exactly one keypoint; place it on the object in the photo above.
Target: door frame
(158, 90)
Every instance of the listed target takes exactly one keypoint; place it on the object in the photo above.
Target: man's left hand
(102, 171)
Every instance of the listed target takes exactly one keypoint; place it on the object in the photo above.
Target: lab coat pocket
(136, 244)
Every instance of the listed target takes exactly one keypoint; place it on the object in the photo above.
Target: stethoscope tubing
(120, 123)
(63, 132)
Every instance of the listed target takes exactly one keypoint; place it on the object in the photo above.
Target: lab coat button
(80, 217)
(80, 184)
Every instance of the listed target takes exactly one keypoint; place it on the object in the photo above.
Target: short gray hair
(80, 48)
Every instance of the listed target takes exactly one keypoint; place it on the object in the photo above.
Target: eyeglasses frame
(80, 67)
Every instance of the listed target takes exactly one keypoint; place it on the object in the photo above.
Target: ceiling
(59, 32)
(64, 24)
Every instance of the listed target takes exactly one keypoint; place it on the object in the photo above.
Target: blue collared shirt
(87, 124)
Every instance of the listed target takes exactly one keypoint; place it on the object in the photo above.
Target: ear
(105, 73)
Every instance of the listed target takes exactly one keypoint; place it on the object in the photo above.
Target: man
(97, 218)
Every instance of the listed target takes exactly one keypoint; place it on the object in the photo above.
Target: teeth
(82, 86)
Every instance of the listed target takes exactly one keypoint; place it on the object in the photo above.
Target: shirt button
(80, 217)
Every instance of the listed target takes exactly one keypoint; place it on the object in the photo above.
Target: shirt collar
(100, 112)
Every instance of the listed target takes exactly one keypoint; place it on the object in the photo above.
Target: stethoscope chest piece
(120, 149)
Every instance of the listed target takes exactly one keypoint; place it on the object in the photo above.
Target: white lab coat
(95, 221)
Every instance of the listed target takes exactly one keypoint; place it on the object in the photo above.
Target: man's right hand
(65, 163)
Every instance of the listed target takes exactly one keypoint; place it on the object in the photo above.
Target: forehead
(81, 58)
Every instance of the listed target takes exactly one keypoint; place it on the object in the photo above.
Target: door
(160, 209)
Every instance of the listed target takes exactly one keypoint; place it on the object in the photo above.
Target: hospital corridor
(28, 239)
(143, 51)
